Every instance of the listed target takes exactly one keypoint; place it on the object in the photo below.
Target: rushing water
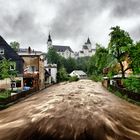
(81, 110)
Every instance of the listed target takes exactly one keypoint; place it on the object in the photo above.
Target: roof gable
(9, 53)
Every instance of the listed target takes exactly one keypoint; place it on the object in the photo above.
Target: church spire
(49, 38)
(88, 41)
(49, 42)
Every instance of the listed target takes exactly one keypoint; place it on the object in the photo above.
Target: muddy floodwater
(81, 110)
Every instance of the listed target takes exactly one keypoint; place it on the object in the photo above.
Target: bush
(5, 94)
(96, 78)
(132, 84)
(73, 78)
(62, 75)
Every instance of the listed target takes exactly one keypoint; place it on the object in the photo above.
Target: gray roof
(60, 48)
(79, 72)
(26, 50)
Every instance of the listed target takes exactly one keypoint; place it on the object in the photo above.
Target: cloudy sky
(70, 22)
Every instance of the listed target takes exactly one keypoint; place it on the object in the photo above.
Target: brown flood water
(81, 110)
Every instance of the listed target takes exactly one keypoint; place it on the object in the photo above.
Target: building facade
(16, 64)
(64, 51)
(52, 70)
(34, 70)
(87, 50)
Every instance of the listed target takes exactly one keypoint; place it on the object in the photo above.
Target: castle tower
(88, 43)
(49, 42)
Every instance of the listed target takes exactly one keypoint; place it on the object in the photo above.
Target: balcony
(31, 75)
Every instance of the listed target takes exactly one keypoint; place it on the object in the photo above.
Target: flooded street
(81, 110)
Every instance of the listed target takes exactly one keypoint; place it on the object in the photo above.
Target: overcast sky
(70, 22)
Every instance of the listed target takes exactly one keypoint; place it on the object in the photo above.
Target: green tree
(135, 58)
(99, 61)
(15, 45)
(54, 58)
(70, 64)
(119, 46)
(62, 75)
(4, 68)
(5, 71)
(82, 63)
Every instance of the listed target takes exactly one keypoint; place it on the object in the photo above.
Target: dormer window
(1, 51)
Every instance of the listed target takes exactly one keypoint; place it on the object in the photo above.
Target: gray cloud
(73, 17)
(71, 20)
(135, 32)
(125, 8)
(20, 23)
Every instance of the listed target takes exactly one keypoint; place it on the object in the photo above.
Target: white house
(52, 70)
(64, 51)
(79, 73)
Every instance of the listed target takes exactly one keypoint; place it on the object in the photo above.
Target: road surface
(81, 110)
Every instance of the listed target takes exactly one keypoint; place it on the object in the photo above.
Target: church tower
(49, 42)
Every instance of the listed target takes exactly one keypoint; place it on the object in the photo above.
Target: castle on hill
(87, 50)
(66, 51)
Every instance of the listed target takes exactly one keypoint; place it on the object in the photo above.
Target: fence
(16, 97)
(130, 94)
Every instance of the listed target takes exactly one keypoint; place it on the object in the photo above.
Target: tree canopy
(54, 58)
(119, 46)
(69, 64)
(5, 71)
(135, 58)
(99, 61)
(15, 45)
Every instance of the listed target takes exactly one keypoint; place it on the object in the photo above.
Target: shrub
(73, 78)
(96, 78)
(62, 75)
(5, 94)
(132, 84)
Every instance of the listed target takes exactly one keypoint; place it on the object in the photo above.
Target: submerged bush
(73, 78)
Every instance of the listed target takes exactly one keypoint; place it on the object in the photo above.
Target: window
(33, 68)
(13, 84)
(18, 83)
(1, 51)
(12, 66)
(50, 71)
